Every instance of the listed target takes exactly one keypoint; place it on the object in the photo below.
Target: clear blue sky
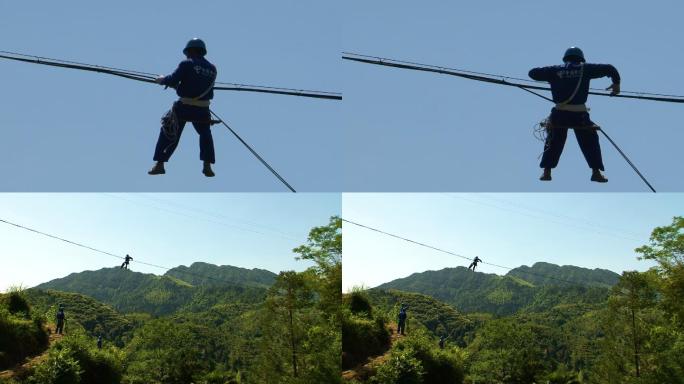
(599, 230)
(413, 131)
(66, 130)
(245, 230)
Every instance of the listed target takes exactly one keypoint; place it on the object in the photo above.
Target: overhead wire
(598, 229)
(502, 80)
(81, 245)
(215, 220)
(499, 79)
(148, 77)
(434, 248)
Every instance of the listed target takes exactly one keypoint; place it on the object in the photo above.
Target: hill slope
(550, 274)
(95, 318)
(129, 291)
(207, 274)
(504, 295)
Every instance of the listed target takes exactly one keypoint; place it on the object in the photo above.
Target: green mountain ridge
(129, 291)
(200, 273)
(542, 273)
(522, 289)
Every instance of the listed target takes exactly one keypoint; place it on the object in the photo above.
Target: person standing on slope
(61, 319)
(474, 263)
(194, 83)
(570, 89)
(401, 323)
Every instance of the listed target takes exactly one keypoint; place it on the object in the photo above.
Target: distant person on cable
(474, 263)
(99, 342)
(127, 260)
(61, 319)
(570, 89)
(401, 323)
(194, 83)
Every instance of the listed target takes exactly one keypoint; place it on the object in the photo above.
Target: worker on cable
(61, 319)
(127, 260)
(570, 89)
(401, 323)
(194, 83)
(474, 263)
(99, 342)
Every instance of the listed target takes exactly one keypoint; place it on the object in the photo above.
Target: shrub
(362, 338)
(74, 360)
(19, 338)
(359, 303)
(98, 366)
(16, 302)
(401, 368)
(219, 377)
(440, 366)
(59, 368)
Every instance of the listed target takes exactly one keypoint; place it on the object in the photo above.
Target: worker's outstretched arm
(597, 71)
(173, 79)
(542, 73)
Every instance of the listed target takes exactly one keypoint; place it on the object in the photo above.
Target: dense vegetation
(506, 295)
(414, 358)
(593, 332)
(255, 328)
(199, 286)
(21, 330)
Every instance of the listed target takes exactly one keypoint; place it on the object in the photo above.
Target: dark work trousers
(200, 117)
(401, 326)
(588, 140)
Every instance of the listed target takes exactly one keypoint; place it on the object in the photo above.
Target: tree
(634, 293)
(284, 311)
(324, 247)
(666, 247)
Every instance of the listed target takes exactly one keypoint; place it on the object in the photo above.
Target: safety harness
(565, 105)
(170, 123)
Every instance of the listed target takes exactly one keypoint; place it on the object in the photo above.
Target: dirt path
(364, 371)
(30, 362)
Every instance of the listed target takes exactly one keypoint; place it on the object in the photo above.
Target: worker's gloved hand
(615, 89)
(159, 79)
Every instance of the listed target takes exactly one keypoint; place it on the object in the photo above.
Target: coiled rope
(529, 87)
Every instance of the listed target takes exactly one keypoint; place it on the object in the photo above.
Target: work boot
(598, 177)
(546, 176)
(208, 172)
(157, 169)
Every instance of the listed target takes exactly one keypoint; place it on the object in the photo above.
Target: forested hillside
(551, 274)
(229, 325)
(130, 291)
(470, 291)
(595, 330)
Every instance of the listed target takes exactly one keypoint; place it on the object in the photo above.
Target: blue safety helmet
(573, 53)
(195, 43)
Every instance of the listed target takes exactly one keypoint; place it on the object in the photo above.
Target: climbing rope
(268, 166)
(490, 78)
(150, 77)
